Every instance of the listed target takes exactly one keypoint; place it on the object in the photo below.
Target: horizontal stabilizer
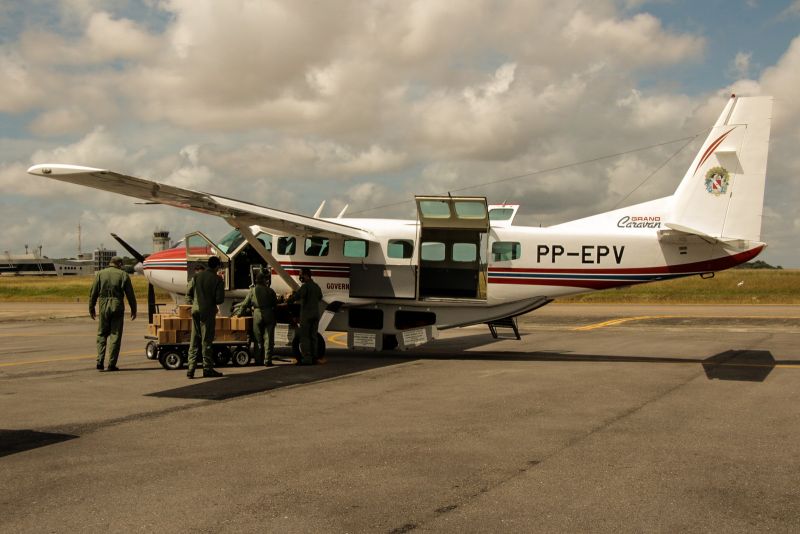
(679, 233)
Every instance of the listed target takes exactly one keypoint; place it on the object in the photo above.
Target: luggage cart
(173, 356)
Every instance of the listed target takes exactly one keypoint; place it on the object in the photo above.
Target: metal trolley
(174, 356)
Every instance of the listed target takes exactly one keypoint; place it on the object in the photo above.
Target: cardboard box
(186, 325)
(222, 323)
(167, 337)
(241, 324)
(229, 335)
(183, 337)
(152, 330)
(157, 319)
(239, 336)
(171, 323)
(185, 311)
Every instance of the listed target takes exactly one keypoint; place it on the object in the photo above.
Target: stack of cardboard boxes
(177, 328)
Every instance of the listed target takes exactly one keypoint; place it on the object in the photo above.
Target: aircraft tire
(320, 346)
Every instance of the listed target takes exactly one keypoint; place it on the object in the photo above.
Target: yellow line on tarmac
(334, 338)
(64, 359)
(621, 320)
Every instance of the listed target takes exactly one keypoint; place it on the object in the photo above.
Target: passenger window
(316, 246)
(506, 251)
(286, 245)
(465, 252)
(432, 251)
(400, 248)
(355, 248)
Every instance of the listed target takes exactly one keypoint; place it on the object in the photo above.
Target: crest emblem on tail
(717, 180)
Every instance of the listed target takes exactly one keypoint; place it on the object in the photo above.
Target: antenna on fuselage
(319, 210)
(343, 210)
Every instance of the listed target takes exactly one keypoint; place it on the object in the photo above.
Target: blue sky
(289, 103)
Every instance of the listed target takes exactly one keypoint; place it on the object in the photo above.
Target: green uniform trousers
(111, 319)
(264, 332)
(203, 331)
(308, 339)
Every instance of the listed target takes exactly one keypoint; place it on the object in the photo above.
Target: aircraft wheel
(171, 360)
(320, 346)
(241, 357)
(151, 350)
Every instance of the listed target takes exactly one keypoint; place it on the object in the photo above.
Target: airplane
(393, 283)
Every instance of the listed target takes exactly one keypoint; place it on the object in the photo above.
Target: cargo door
(453, 240)
(198, 249)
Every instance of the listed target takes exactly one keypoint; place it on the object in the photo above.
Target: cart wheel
(171, 360)
(151, 350)
(222, 355)
(241, 357)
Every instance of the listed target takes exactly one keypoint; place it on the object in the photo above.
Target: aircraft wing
(245, 212)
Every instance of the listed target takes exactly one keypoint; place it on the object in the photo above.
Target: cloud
(367, 103)
(740, 66)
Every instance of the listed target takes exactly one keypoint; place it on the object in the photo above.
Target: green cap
(116, 260)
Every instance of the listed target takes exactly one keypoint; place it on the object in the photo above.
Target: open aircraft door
(453, 238)
(198, 249)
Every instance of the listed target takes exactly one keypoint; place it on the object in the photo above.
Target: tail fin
(722, 194)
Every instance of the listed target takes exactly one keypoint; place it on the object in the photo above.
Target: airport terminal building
(34, 264)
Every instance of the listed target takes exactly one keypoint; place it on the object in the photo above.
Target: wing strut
(263, 252)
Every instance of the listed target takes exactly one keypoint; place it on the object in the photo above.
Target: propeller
(139, 268)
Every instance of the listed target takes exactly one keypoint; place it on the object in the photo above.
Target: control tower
(160, 240)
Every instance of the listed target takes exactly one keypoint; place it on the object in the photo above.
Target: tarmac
(603, 418)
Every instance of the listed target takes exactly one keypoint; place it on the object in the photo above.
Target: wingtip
(60, 169)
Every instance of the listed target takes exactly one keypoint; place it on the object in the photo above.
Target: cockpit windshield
(230, 242)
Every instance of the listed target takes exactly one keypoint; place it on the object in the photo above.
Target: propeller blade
(133, 252)
(151, 303)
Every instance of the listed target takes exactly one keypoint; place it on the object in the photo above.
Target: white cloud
(20, 90)
(286, 103)
(740, 66)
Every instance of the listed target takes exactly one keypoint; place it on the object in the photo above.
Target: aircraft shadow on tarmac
(14, 441)
(737, 365)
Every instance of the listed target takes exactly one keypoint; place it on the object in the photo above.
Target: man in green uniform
(110, 286)
(206, 291)
(264, 301)
(309, 296)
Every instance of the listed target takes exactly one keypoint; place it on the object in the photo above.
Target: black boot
(100, 367)
(190, 372)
